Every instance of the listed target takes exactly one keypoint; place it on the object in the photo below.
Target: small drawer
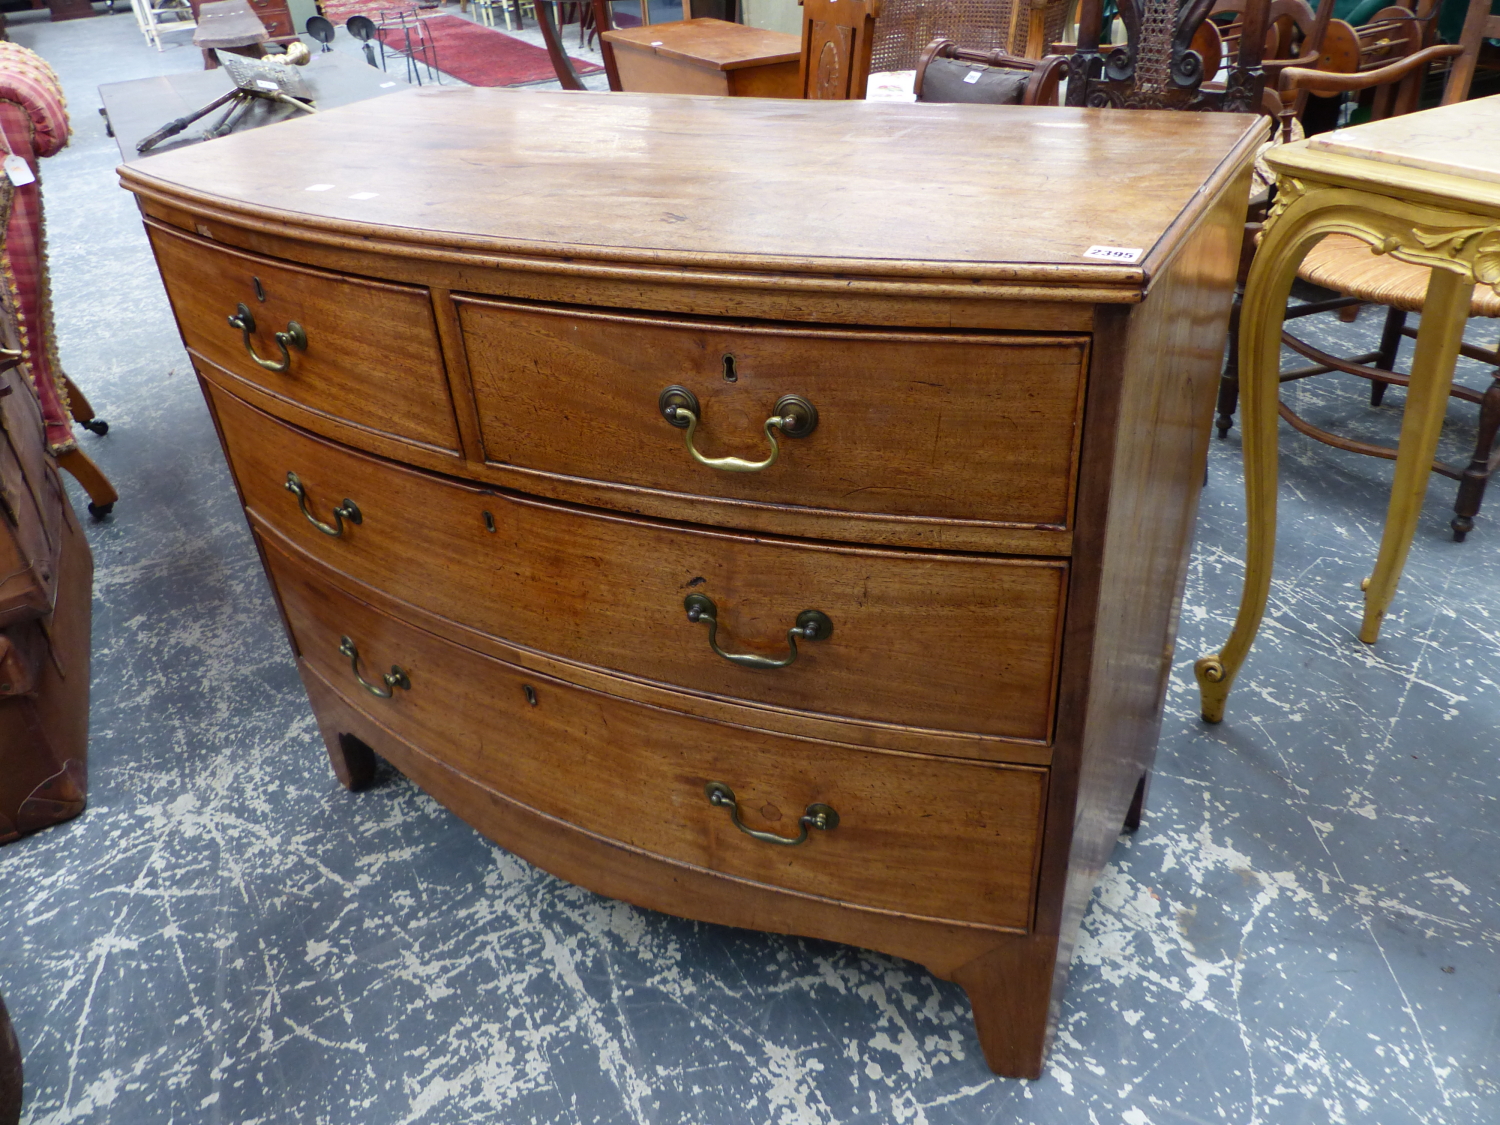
(971, 428)
(941, 642)
(916, 835)
(367, 352)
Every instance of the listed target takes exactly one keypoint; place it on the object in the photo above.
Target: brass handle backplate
(348, 510)
(293, 337)
(821, 817)
(811, 625)
(792, 415)
(395, 678)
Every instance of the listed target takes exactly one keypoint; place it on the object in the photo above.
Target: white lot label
(972, 76)
(1113, 253)
(18, 171)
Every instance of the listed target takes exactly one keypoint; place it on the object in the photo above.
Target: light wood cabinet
(451, 397)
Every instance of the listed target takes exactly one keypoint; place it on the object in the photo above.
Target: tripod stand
(239, 101)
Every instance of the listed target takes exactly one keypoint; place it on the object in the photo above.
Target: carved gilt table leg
(1444, 313)
(1450, 242)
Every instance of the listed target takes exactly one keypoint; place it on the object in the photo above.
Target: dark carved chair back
(1157, 66)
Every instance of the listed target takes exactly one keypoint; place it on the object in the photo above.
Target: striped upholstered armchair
(34, 124)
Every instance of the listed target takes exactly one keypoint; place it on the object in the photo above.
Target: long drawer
(906, 833)
(943, 642)
(970, 427)
(359, 351)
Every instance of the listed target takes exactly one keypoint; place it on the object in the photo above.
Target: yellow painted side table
(1424, 187)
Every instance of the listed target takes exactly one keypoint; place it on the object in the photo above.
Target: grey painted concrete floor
(1305, 928)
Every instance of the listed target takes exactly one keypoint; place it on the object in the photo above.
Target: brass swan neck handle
(811, 625)
(348, 510)
(389, 681)
(293, 337)
(821, 817)
(793, 416)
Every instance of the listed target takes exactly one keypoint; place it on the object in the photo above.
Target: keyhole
(260, 290)
(730, 374)
(489, 522)
(530, 694)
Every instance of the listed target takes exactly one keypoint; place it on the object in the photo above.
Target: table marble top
(1458, 140)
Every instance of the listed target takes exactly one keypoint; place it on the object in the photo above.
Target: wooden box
(707, 56)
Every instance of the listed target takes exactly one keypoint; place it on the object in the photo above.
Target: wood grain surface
(1144, 459)
(978, 427)
(611, 867)
(877, 189)
(918, 837)
(646, 70)
(714, 44)
(950, 642)
(372, 354)
(919, 273)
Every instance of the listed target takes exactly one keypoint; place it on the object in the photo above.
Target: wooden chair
(837, 41)
(1346, 265)
(34, 125)
(1161, 65)
(943, 71)
(1391, 34)
(1295, 36)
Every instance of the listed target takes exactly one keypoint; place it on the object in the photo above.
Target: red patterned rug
(480, 56)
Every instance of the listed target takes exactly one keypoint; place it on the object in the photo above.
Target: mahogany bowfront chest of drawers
(766, 512)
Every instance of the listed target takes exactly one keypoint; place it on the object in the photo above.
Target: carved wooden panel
(837, 36)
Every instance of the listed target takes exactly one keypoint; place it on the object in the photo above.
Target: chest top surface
(1007, 192)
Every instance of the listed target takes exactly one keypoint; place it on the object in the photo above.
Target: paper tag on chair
(18, 170)
(972, 76)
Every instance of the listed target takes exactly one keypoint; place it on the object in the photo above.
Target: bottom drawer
(929, 837)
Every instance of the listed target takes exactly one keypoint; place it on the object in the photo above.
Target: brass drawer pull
(793, 415)
(348, 510)
(395, 678)
(294, 337)
(811, 625)
(821, 817)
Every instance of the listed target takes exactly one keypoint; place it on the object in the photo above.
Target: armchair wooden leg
(82, 411)
(102, 494)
